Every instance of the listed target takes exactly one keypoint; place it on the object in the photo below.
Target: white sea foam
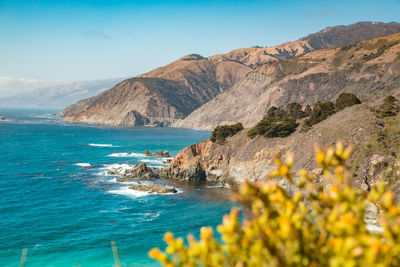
(116, 166)
(83, 164)
(154, 161)
(126, 191)
(114, 181)
(101, 145)
(125, 155)
(113, 166)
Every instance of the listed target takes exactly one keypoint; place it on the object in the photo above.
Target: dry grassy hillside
(376, 156)
(368, 69)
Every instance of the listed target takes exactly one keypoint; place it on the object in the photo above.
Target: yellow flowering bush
(315, 226)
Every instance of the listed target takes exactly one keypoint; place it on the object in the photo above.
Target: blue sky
(85, 40)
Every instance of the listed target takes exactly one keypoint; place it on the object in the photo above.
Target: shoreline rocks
(158, 154)
(155, 188)
(140, 171)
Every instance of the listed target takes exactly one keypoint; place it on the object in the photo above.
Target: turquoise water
(66, 212)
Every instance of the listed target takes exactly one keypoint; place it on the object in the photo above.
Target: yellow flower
(283, 170)
(320, 157)
(168, 237)
(154, 253)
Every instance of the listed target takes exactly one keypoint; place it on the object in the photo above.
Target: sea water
(57, 201)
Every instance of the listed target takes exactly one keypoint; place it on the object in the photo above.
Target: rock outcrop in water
(140, 171)
(158, 154)
(155, 188)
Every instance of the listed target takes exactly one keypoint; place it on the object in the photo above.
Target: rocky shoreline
(141, 172)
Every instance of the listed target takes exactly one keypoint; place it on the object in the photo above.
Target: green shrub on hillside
(276, 123)
(389, 107)
(275, 113)
(308, 111)
(295, 110)
(346, 100)
(220, 133)
(321, 111)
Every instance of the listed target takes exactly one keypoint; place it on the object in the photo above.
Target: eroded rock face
(134, 118)
(140, 171)
(155, 188)
(158, 154)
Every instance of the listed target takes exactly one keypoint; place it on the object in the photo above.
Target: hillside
(376, 155)
(158, 97)
(368, 69)
(164, 95)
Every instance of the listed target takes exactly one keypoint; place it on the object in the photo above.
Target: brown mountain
(330, 37)
(368, 69)
(175, 90)
(169, 92)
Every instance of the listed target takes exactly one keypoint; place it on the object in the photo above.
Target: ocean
(57, 201)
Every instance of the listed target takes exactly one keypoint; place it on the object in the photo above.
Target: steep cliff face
(368, 69)
(240, 158)
(167, 93)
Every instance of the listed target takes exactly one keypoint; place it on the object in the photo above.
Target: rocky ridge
(368, 69)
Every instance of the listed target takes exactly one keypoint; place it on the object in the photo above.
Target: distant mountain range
(59, 96)
(240, 85)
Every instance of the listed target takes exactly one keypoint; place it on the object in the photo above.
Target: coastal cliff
(160, 96)
(375, 157)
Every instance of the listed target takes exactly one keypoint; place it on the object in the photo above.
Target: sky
(52, 41)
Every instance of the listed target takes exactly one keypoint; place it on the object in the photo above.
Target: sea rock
(127, 180)
(2, 118)
(155, 188)
(140, 171)
(117, 171)
(158, 154)
(188, 165)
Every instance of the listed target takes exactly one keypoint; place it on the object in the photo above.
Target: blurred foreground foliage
(315, 226)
